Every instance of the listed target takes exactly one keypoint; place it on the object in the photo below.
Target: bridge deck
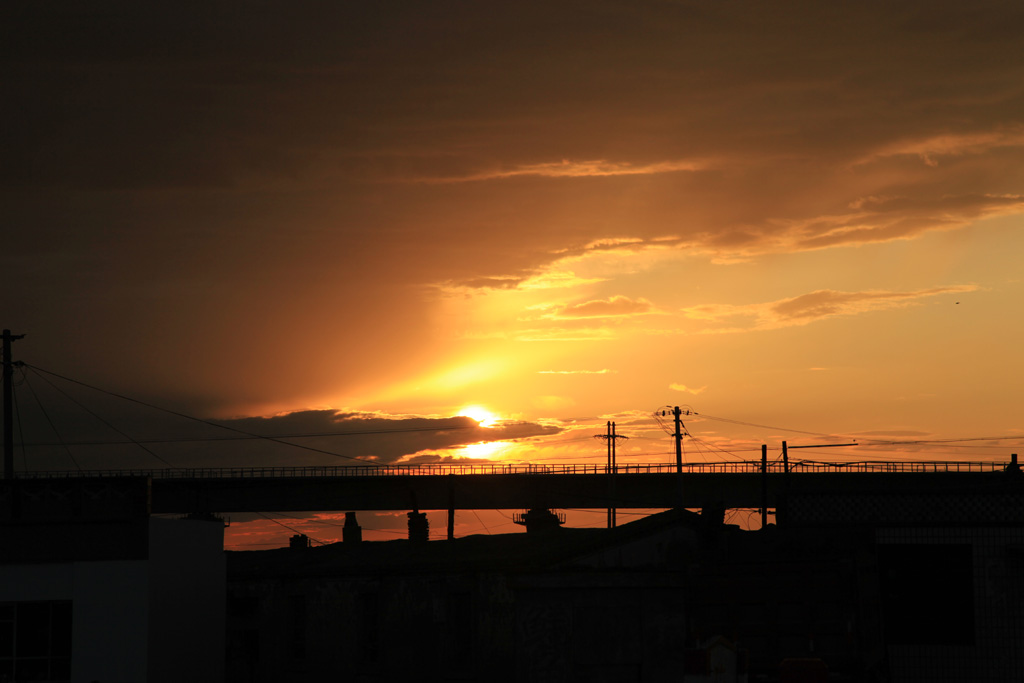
(374, 470)
(468, 487)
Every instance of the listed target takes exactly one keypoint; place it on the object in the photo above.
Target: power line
(79, 404)
(714, 447)
(235, 429)
(271, 519)
(863, 441)
(17, 411)
(327, 523)
(252, 437)
(876, 442)
(751, 424)
(481, 522)
(50, 422)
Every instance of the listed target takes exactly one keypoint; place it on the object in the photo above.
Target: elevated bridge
(742, 484)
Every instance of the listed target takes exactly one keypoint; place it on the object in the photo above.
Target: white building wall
(110, 613)
(187, 597)
(159, 620)
(110, 620)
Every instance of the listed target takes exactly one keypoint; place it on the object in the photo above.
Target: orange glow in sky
(422, 234)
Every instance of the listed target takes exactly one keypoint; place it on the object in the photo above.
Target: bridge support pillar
(451, 507)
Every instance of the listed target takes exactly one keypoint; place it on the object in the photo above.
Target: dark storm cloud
(211, 95)
(67, 427)
(382, 439)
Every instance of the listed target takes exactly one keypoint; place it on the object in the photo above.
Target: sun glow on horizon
(484, 449)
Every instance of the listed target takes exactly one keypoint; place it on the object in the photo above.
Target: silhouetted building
(539, 519)
(882, 587)
(93, 589)
(299, 542)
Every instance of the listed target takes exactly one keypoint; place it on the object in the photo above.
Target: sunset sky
(368, 216)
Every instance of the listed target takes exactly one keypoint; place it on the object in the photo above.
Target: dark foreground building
(889, 585)
(884, 587)
(92, 588)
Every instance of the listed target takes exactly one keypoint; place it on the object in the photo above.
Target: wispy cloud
(876, 219)
(931, 149)
(686, 389)
(568, 335)
(611, 243)
(577, 372)
(487, 283)
(558, 279)
(554, 279)
(566, 168)
(806, 308)
(826, 302)
(612, 307)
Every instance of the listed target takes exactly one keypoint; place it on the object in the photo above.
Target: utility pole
(611, 470)
(8, 401)
(782, 507)
(610, 443)
(764, 485)
(679, 440)
(610, 436)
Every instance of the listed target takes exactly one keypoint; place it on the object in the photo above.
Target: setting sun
(483, 416)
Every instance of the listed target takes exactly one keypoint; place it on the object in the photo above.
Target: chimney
(419, 527)
(351, 532)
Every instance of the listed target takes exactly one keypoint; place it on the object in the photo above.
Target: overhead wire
(245, 435)
(554, 441)
(760, 426)
(481, 522)
(105, 422)
(271, 519)
(863, 441)
(17, 412)
(714, 447)
(242, 431)
(620, 512)
(49, 421)
(255, 437)
(327, 523)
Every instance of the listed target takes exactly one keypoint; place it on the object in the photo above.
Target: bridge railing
(740, 466)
